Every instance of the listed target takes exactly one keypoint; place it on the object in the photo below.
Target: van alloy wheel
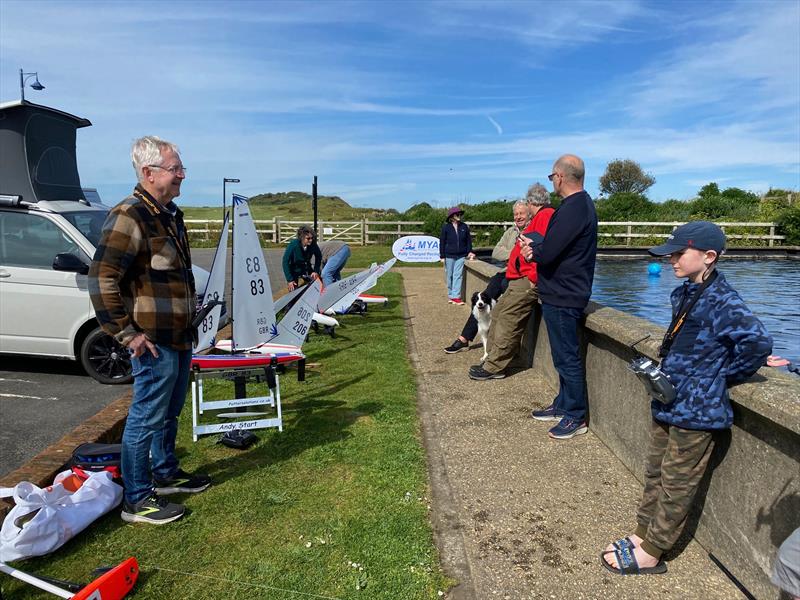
(105, 359)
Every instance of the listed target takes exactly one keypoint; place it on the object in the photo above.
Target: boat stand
(265, 375)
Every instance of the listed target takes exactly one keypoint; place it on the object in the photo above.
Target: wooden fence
(365, 232)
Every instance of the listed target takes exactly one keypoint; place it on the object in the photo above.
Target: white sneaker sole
(569, 436)
(546, 418)
(166, 491)
(133, 518)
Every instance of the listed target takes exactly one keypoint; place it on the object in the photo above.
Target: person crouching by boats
(297, 266)
(714, 341)
(334, 257)
(142, 289)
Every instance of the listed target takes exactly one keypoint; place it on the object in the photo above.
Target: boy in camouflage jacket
(718, 343)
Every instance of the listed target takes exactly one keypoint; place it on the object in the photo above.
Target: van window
(32, 241)
(89, 223)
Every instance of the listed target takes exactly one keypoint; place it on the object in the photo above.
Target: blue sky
(395, 103)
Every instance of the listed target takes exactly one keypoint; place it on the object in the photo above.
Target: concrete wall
(749, 501)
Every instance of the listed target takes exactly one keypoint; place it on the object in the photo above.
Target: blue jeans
(159, 390)
(562, 329)
(453, 272)
(332, 271)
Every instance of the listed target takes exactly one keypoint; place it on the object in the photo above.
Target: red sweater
(517, 267)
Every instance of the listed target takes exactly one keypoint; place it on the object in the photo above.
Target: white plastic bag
(57, 514)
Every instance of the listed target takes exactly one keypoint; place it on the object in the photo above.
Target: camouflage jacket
(141, 275)
(720, 344)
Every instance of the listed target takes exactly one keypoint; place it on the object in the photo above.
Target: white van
(49, 227)
(45, 310)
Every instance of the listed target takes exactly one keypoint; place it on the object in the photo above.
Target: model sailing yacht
(258, 343)
(256, 334)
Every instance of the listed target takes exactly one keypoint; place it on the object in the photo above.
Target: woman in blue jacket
(455, 244)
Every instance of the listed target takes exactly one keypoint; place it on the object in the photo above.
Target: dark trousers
(562, 330)
(676, 461)
(494, 289)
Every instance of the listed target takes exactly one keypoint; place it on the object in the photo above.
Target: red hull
(229, 361)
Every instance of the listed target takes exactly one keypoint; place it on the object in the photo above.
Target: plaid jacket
(141, 275)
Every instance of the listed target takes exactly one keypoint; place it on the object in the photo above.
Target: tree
(625, 176)
(709, 190)
(624, 206)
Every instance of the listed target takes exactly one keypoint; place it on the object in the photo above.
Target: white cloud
(746, 62)
(387, 100)
(496, 125)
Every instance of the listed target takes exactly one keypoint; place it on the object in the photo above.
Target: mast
(233, 259)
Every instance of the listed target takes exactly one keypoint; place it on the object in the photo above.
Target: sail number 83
(256, 286)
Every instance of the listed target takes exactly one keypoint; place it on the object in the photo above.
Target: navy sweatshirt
(452, 244)
(566, 256)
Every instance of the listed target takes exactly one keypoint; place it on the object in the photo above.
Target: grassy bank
(344, 483)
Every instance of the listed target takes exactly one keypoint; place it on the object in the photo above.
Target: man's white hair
(147, 151)
(538, 195)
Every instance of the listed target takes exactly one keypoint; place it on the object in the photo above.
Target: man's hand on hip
(140, 344)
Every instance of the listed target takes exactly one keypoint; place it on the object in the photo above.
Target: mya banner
(416, 248)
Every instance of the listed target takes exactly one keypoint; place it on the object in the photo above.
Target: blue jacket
(452, 245)
(565, 258)
(721, 343)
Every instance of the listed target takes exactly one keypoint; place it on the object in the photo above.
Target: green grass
(291, 206)
(345, 482)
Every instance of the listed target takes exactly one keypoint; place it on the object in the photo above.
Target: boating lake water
(770, 287)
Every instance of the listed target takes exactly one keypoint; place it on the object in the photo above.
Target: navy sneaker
(546, 414)
(457, 346)
(568, 428)
(481, 374)
(182, 482)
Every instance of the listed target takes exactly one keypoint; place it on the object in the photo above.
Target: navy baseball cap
(702, 235)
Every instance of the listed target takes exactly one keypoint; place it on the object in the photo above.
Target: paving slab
(518, 515)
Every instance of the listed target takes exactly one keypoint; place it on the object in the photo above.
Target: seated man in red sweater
(510, 315)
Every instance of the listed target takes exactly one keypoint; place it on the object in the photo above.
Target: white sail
(215, 291)
(293, 328)
(334, 293)
(362, 281)
(253, 311)
(373, 279)
(281, 302)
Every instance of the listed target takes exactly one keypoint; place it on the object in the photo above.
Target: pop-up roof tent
(37, 152)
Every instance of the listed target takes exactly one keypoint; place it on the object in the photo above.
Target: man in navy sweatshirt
(565, 258)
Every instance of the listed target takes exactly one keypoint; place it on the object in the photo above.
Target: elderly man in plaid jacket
(143, 294)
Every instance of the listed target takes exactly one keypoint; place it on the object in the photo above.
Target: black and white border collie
(482, 307)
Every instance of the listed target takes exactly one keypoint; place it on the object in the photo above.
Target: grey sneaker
(153, 510)
(456, 346)
(182, 482)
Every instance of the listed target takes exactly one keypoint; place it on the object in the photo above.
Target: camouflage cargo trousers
(676, 461)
